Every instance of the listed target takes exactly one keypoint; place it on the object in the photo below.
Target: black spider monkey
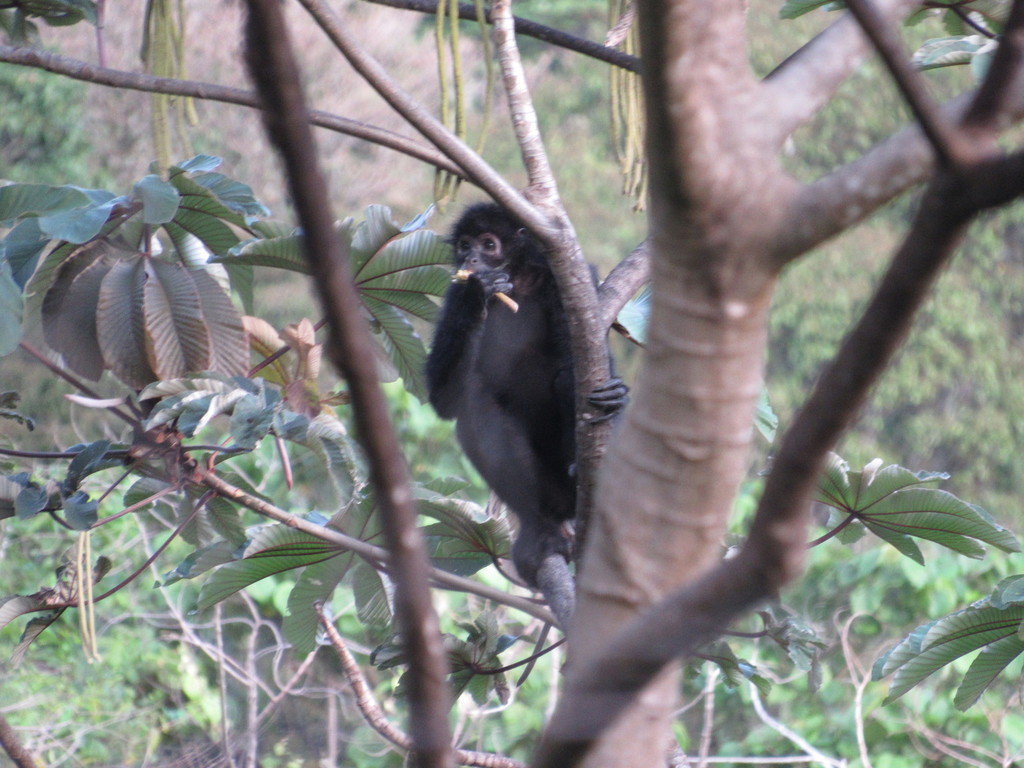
(505, 375)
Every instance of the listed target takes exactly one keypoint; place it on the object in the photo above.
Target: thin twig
(376, 717)
(949, 146)
(376, 556)
(115, 78)
(72, 380)
(860, 678)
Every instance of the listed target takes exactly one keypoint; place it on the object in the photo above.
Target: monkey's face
(480, 253)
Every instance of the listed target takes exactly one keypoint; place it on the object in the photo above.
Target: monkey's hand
(494, 283)
(609, 399)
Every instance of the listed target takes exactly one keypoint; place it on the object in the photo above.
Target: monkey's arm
(450, 359)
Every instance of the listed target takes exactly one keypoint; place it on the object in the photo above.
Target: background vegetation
(153, 697)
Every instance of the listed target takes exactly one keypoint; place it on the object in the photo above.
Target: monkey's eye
(464, 245)
(489, 243)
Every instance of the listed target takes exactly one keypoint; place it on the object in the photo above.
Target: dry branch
(376, 717)
(273, 67)
(116, 78)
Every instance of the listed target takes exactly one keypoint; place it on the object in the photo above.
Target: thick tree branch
(949, 145)
(542, 189)
(805, 81)
(623, 281)
(275, 71)
(529, 28)
(774, 551)
(12, 745)
(591, 364)
(116, 78)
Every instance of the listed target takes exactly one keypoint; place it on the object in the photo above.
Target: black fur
(506, 377)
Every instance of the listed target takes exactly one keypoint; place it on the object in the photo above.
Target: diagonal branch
(273, 67)
(807, 79)
(950, 146)
(472, 165)
(116, 78)
(378, 719)
(528, 28)
(369, 552)
(1005, 78)
(623, 281)
(542, 189)
(12, 745)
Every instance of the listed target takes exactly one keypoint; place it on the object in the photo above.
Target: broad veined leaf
(373, 592)
(229, 352)
(202, 215)
(892, 504)
(465, 538)
(21, 249)
(193, 402)
(10, 310)
(202, 561)
(70, 308)
(233, 194)
(401, 343)
(316, 584)
(121, 324)
(177, 341)
(948, 51)
(274, 549)
(91, 458)
(422, 253)
(159, 199)
(281, 252)
(328, 438)
(369, 236)
(995, 630)
(80, 511)
(66, 213)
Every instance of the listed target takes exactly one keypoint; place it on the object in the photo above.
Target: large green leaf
(316, 584)
(66, 213)
(893, 504)
(372, 591)
(274, 549)
(465, 538)
(937, 644)
(229, 349)
(10, 310)
(159, 199)
(193, 401)
(281, 252)
(401, 343)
